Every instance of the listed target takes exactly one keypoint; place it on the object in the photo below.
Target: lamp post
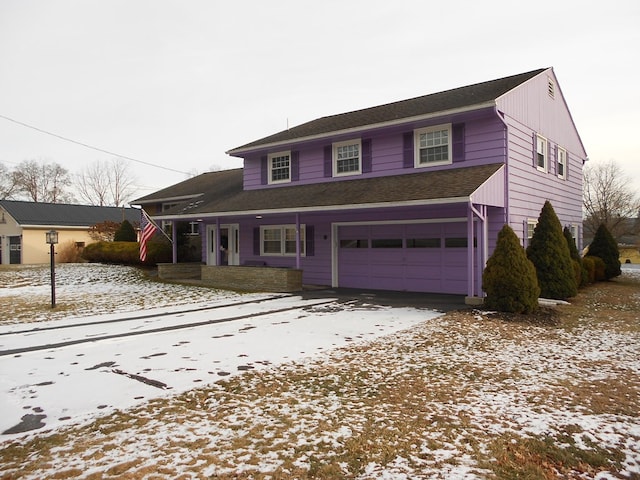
(52, 239)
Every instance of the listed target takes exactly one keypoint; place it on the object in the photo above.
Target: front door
(15, 250)
(226, 250)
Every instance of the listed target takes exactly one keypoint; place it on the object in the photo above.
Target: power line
(90, 146)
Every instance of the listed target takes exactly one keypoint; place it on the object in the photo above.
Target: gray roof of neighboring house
(192, 187)
(457, 98)
(61, 214)
(227, 196)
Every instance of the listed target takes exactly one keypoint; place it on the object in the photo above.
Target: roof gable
(61, 214)
(458, 98)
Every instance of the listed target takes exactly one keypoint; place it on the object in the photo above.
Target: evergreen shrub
(125, 233)
(605, 247)
(599, 268)
(549, 253)
(509, 279)
(590, 265)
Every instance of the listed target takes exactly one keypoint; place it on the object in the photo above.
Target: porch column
(216, 242)
(298, 241)
(174, 241)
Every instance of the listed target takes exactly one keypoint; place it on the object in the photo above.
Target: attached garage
(416, 257)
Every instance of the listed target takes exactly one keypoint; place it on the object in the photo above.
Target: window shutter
(566, 166)
(366, 155)
(407, 150)
(309, 240)
(535, 150)
(295, 166)
(256, 241)
(264, 170)
(458, 142)
(328, 160)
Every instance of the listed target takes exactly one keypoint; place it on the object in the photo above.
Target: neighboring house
(405, 196)
(23, 226)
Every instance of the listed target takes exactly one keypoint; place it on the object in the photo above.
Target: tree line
(101, 183)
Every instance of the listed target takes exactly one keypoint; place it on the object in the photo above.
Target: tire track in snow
(34, 348)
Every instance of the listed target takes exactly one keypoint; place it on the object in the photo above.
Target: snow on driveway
(70, 370)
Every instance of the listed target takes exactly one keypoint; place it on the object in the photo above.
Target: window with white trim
(280, 240)
(541, 153)
(574, 233)
(279, 167)
(531, 226)
(433, 146)
(562, 163)
(347, 158)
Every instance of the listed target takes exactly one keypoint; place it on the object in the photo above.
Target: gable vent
(551, 88)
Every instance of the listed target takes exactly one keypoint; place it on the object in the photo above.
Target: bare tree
(42, 181)
(92, 184)
(105, 183)
(7, 183)
(610, 200)
(120, 182)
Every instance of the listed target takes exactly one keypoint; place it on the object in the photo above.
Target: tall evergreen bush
(509, 279)
(605, 247)
(549, 253)
(125, 233)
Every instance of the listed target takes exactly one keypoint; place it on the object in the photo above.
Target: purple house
(406, 196)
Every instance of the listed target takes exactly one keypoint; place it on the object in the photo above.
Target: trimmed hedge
(127, 253)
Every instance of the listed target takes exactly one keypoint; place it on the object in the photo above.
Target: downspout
(506, 166)
(470, 262)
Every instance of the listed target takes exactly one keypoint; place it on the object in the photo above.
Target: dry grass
(439, 399)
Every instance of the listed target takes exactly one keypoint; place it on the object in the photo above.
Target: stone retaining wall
(253, 279)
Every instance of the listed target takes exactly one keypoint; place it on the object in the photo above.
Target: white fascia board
(354, 130)
(168, 199)
(324, 208)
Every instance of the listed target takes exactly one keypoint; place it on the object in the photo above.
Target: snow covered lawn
(332, 390)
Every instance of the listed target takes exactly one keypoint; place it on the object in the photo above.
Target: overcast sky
(178, 83)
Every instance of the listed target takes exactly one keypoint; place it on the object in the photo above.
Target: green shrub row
(127, 253)
(551, 266)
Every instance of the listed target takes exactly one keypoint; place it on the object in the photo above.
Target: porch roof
(424, 188)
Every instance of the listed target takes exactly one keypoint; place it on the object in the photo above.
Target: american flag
(148, 230)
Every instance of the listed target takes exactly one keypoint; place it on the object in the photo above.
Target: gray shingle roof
(60, 214)
(456, 98)
(418, 187)
(192, 187)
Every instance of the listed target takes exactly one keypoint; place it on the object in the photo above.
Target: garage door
(413, 257)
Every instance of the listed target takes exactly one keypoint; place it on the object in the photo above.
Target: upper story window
(541, 153)
(347, 158)
(562, 163)
(279, 167)
(433, 146)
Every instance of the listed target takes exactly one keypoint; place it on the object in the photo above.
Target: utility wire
(90, 146)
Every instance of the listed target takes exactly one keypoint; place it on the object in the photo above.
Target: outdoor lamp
(52, 239)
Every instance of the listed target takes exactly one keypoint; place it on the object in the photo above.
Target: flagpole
(150, 220)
